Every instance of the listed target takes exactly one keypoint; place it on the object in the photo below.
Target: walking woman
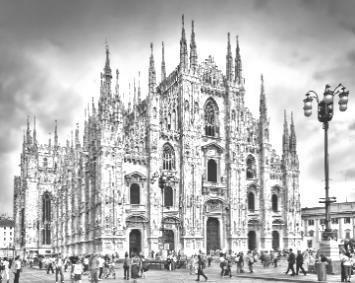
(126, 266)
(201, 266)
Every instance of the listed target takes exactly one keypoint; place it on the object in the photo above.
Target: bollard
(321, 269)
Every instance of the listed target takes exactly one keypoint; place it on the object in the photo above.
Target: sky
(52, 53)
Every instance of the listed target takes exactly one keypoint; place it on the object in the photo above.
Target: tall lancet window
(46, 219)
(168, 157)
(251, 167)
(251, 201)
(135, 194)
(212, 171)
(211, 118)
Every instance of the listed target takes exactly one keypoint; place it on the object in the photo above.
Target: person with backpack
(201, 265)
(126, 266)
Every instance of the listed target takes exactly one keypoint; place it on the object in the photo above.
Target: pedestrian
(5, 270)
(86, 264)
(201, 266)
(101, 266)
(59, 268)
(345, 259)
(291, 261)
(77, 270)
(126, 266)
(240, 262)
(94, 268)
(209, 258)
(135, 263)
(299, 263)
(251, 260)
(17, 269)
(222, 263)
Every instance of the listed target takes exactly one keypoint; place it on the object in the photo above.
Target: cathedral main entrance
(169, 239)
(213, 239)
(275, 240)
(135, 242)
(251, 240)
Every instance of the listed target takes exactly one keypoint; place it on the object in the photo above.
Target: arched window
(45, 162)
(168, 196)
(251, 167)
(211, 119)
(135, 194)
(251, 201)
(173, 121)
(274, 201)
(212, 171)
(168, 157)
(46, 219)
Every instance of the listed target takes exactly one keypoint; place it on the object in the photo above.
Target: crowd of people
(98, 267)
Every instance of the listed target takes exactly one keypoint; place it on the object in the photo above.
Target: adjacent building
(342, 221)
(186, 167)
(7, 236)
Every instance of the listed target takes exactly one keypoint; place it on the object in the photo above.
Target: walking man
(299, 263)
(17, 269)
(201, 266)
(291, 261)
(59, 268)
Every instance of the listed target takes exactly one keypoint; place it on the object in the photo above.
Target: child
(77, 270)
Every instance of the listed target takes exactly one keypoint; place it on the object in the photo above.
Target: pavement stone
(270, 274)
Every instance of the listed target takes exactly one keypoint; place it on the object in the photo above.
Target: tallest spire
(183, 48)
(292, 137)
(193, 51)
(152, 76)
(262, 107)
(229, 60)
(285, 137)
(163, 70)
(238, 64)
(107, 68)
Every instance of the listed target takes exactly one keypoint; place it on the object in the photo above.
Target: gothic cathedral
(187, 168)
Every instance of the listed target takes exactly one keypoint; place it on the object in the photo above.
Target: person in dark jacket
(201, 265)
(299, 263)
(291, 261)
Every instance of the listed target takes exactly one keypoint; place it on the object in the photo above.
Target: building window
(168, 157)
(335, 221)
(45, 162)
(274, 200)
(211, 118)
(168, 197)
(309, 243)
(251, 167)
(212, 170)
(347, 234)
(322, 221)
(310, 222)
(251, 201)
(46, 218)
(311, 233)
(346, 220)
(135, 194)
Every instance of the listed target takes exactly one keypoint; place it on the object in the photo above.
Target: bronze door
(135, 241)
(251, 240)
(213, 239)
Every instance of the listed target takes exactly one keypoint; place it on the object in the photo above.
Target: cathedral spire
(262, 107)
(77, 141)
(285, 137)
(163, 70)
(107, 68)
(292, 136)
(238, 64)
(183, 48)
(34, 130)
(229, 60)
(152, 76)
(117, 87)
(193, 51)
(28, 132)
(139, 87)
(55, 134)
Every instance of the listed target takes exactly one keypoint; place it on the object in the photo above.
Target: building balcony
(214, 189)
(134, 208)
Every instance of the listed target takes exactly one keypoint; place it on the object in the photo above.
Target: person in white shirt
(17, 269)
(6, 273)
(77, 270)
(59, 268)
(101, 266)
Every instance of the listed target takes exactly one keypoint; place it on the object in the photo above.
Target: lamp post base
(330, 249)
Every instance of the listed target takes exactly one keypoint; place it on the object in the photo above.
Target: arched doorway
(251, 240)
(213, 239)
(135, 242)
(275, 240)
(169, 239)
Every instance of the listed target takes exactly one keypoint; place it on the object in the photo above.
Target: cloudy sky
(51, 54)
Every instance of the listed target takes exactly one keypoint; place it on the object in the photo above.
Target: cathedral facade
(186, 168)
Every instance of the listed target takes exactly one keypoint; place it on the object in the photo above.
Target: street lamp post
(325, 115)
